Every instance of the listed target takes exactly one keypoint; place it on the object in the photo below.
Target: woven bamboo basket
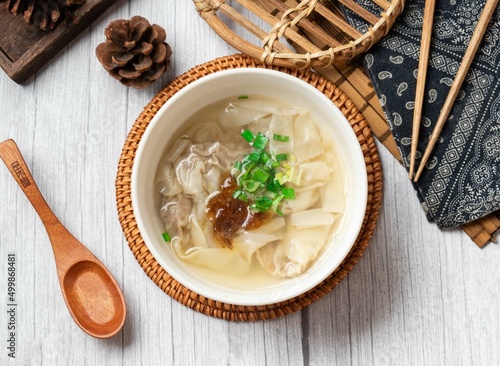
(317, 26)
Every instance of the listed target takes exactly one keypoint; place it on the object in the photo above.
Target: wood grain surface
(24, 48)
(419, 296)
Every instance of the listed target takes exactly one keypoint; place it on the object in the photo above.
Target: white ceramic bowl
(223, 85)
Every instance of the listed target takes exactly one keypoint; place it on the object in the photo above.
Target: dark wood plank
(24, 48)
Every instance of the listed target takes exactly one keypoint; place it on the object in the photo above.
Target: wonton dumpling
(330, 199)
(292, 256)
(306, 138)
(314, 171)
(235, 261)
(237, 115)
(166, 182)
(280, 124)
(302, 201)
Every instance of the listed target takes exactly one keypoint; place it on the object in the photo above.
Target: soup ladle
(92, 295)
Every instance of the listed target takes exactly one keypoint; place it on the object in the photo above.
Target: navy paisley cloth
(462, 179)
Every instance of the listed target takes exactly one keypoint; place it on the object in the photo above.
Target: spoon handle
(67, 249)
(13, 159)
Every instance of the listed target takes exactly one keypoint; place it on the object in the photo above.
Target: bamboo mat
(352, 79)
(228, 311)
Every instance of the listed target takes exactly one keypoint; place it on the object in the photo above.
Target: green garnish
(240, 195)
(250, 185)
(255, 156)
(281, 138)
(281, 157)
(265, 158)
(288, 193)
(166, 236)
(273, 186)
(261, 203)
(238, 165)
(248, 135)
(261, 176)
(260, 141)
(243, 97)
(275, 164)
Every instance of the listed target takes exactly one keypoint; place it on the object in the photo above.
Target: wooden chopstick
(425, 44)
(474, 43)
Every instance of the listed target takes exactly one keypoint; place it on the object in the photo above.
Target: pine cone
(45, 14)
(135, 52)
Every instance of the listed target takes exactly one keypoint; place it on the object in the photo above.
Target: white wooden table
(418, 296)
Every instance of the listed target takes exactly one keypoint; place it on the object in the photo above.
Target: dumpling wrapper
(311, 218)
(307, 143)
(280, 124)
(234, 261)
(237, 115)
(292, 256)
(331, 199)
(166, 182)
(302, 201)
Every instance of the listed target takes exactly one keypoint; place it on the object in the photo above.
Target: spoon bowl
(92, 295)
(85, 281)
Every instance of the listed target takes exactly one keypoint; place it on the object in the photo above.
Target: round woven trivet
(214, 308)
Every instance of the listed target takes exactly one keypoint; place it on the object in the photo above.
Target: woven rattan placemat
(228, 311)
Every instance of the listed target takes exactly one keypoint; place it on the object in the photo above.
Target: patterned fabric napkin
(462, 179)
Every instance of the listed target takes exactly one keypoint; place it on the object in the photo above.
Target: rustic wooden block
(24, 48)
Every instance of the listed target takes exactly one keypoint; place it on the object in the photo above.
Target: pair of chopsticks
(482, 24)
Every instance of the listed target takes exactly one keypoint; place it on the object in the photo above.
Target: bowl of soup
(249, 187)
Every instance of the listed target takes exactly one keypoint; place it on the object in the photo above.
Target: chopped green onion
(247, 163)
(250, 185)
(277, 201)
(281, 157)
(275, 164)
(288, 193)
(267, 169)
(238, 165)
(281, 138)
(273, 186)
(281, 178)
(260, 175)
(272, 195)
(240, 195)
(262, 203)
(255, 156)
(243, 97)
(264, 157)
(260, 141)
(248, 135)
(166, 236)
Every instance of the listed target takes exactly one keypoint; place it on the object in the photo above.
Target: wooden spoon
(92, 295)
